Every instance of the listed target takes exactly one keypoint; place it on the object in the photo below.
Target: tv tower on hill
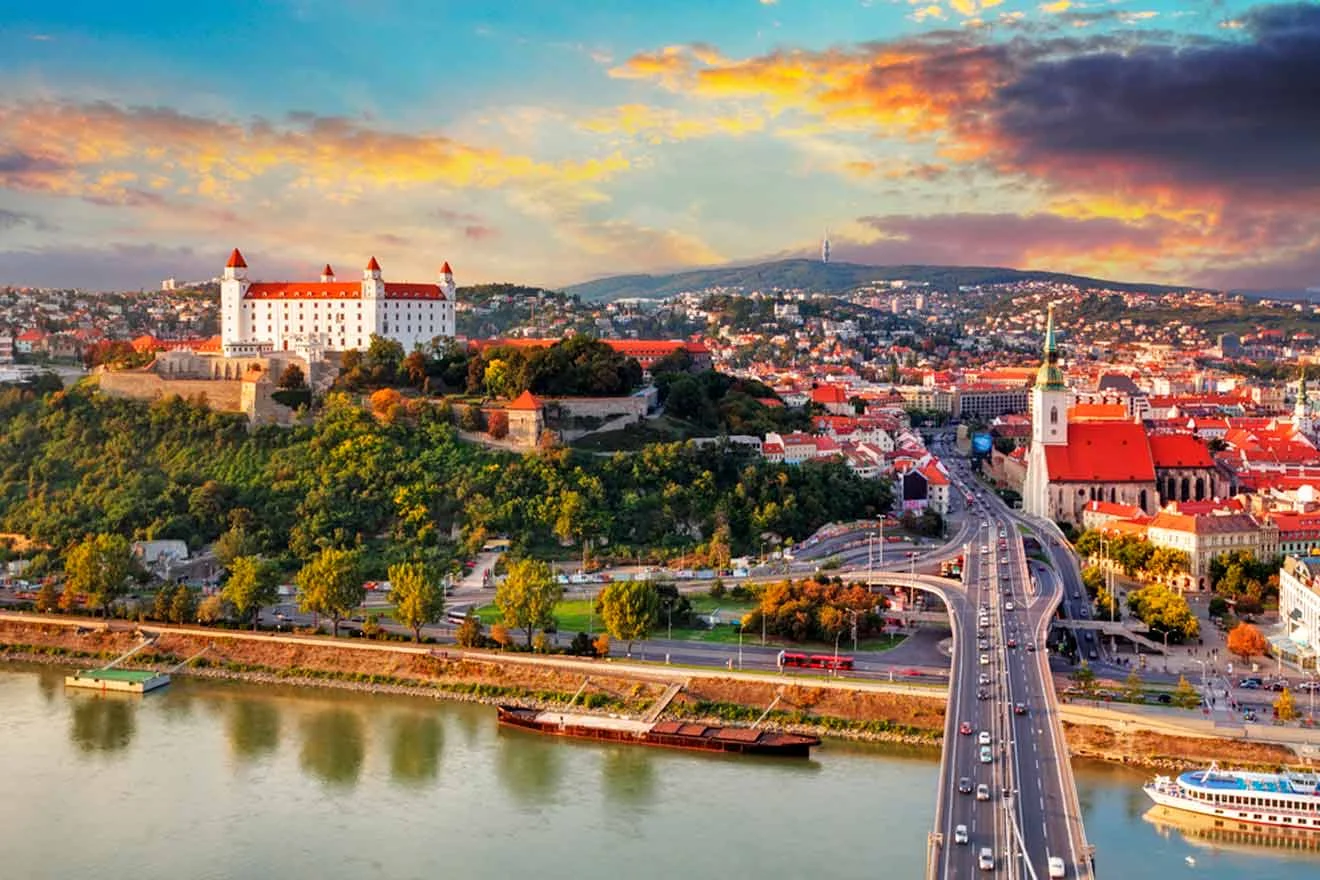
(825, 247)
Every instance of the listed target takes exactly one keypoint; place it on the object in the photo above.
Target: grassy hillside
(825, 278)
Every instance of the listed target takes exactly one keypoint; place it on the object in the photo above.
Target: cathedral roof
(1101, 452)
(1179, 451)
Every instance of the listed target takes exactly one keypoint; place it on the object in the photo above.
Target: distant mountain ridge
(829, 278)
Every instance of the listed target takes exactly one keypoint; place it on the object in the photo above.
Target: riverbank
(826, 708)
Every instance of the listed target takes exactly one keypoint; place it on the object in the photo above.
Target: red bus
(789, 659)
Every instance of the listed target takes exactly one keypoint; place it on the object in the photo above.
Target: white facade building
(312, 317)
(1299, 607)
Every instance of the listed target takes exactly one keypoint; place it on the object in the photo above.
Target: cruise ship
(1286, 800)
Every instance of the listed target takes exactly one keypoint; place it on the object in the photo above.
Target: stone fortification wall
(224, 395)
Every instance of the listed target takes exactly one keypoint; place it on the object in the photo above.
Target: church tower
(1050, 400)
(1302, 423)
(1050, 397)
(373, 300)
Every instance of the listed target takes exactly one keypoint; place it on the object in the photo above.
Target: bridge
(1030, 813)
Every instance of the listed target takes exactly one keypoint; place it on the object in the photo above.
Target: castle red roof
(527, 401)
(338, 290)
(236, 261)
(1101, 452)
(445, 270)
(328, 271)
(373, 266)
(1179, 451)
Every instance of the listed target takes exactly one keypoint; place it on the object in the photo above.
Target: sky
(546, 142)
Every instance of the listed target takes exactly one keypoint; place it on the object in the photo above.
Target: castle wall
(222, 395)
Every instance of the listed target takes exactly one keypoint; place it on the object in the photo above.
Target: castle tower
(327, 274)
(825, 247)
(233, 285)
(373, 299)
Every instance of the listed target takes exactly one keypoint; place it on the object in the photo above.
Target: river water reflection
(208, 779)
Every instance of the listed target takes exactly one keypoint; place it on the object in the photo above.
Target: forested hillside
(75, 463)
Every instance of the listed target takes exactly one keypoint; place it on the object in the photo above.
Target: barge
(664, 734)
(130, 681)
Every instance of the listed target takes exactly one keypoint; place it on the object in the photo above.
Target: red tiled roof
(527, 401)
(934, 476)
(30, 336)
(1109, 508)
(1179, 451)
(395, 290)
(328, 271)
(829, 394)
(304, 290)
(236, 261)
(373, 266)
(1097, 411)
(1101, 452)
(445, 270)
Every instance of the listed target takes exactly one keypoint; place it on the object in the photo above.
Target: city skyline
(1140, 141)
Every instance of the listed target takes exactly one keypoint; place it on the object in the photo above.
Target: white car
(987, 756)
(985, 659)
(983, 792)
(1009, 606)
(984, 738)
(986, 860)
(1055, 865)
(960, 834)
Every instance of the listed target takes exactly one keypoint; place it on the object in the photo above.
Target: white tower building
(1050, 401)
(825, 248)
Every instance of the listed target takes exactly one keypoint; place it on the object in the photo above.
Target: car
(983, 644)
(1031, 647)
(1008, 606)
(1163, 699)
(984, 679)
(986, 860)
(960, 834)
(1019, 708)
(965, 728)
(985, 659)
(987, 756)
(1012, 643)
(982, 694)
(1250, 684)
(965, 785)
(983, 738)
(1249, 715)
(1076, 595)
(1084, 612)
(1278, 685)
(983, 792)
(1093, 655)
(1054, 864)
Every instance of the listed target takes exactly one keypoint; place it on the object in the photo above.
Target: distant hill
(826, 278)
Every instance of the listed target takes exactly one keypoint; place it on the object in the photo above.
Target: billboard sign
(981, 444)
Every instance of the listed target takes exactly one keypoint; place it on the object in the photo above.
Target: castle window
(1054, 415)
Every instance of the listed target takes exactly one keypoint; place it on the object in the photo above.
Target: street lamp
(835, 670)
(740, 645)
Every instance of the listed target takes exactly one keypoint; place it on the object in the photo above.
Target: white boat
(1285, 800)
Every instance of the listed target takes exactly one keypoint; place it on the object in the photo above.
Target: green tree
(48, 598)
(1164, 610)
(1084, 677)
(183, 605)
(292, 378)
(234, 543)
(160, 603)
(253, 584)
(98, 568)
(1184, 695)
(1132, 687)
(417, 595)
(628, 609)
(527, 597)
(331, 584)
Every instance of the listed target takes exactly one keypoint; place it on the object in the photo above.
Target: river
(223, 780)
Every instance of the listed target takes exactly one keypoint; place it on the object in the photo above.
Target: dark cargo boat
(667, 734)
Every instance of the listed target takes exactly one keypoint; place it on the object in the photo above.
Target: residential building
(1299, 610)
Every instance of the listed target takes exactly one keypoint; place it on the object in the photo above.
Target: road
(1032, 812)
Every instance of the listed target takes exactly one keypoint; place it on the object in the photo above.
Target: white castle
(311, 317)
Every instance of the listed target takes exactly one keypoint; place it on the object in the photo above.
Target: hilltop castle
(312, 317)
